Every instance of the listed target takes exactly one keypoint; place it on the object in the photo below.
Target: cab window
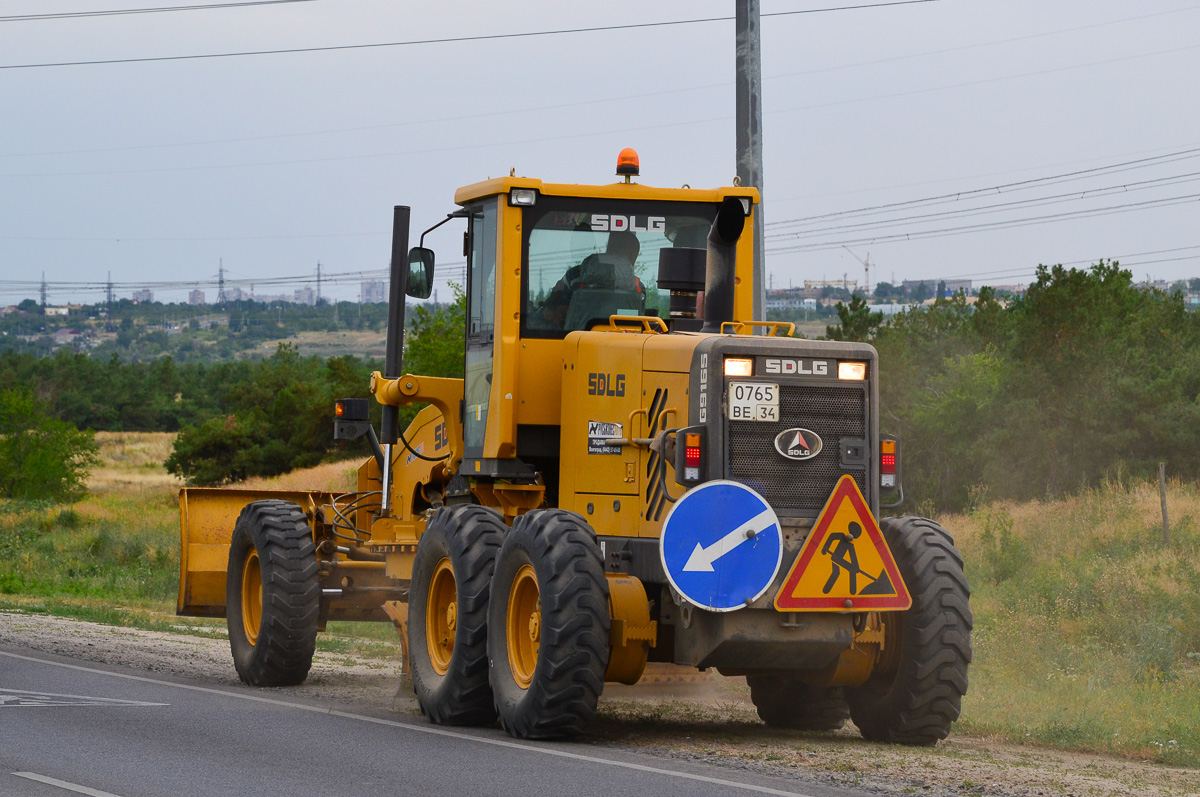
(588, 259)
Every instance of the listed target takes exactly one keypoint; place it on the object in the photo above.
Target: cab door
(481, 324)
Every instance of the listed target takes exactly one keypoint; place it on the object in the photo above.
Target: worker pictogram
(845, 563)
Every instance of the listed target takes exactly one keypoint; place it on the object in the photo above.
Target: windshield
(587, 259)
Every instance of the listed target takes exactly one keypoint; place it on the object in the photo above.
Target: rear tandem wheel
(548, 626)
(916, 699)
(272, 594)
(787, 702)
(448, 606)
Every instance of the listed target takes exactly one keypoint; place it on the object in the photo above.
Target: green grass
(113, 558)
(1087, 627)
(116, 549)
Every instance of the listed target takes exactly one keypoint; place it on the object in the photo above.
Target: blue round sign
(721, 545)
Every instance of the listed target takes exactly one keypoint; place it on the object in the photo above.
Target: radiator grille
(799, 489)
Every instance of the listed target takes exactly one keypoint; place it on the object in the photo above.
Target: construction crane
(866, 269)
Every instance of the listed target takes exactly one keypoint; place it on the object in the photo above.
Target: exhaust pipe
(398, 288)
(719, 266)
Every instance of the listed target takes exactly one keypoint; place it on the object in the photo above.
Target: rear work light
(522, 197)
(851, 370)
(739, 366)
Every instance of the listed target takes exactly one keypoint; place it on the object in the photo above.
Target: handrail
(651, 324)
(772, 326)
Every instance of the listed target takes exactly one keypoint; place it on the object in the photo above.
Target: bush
(41, 458)
(1085, 374)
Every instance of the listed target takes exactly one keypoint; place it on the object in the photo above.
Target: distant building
(373, 292)
(195, 297)
(306, 296)
(143, 297)
(57, 310)
(931, 286)
(843, 284)
(890, 309)
(1157, 285)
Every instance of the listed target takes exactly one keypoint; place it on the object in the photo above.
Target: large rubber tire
(917, 698)
(272, 594)
(785, 702)
(548, 640)
(447, 621)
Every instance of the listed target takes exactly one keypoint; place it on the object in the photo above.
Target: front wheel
(548, 626)
(272, 594)
(915, 694)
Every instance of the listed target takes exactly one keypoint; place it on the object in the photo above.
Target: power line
(956, 196)
(454, 39)
(127, 11)
(988, 226)
(592, 102)
(982, 210)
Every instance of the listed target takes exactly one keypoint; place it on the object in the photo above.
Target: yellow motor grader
(633, 470)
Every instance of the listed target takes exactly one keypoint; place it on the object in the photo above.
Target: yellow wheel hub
(441, 616)
(524, 626)
(251, 596)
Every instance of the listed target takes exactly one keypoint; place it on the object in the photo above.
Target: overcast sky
(159, 171)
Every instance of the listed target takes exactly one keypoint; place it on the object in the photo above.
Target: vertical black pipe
(719, 267)
(398, 289)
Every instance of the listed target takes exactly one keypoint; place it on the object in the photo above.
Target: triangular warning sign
(845, 565)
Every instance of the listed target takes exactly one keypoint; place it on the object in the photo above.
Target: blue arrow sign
(721, 545)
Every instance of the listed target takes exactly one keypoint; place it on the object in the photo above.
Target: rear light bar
(689, 455)
(889, 462)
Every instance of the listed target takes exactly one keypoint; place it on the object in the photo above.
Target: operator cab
(583, 254)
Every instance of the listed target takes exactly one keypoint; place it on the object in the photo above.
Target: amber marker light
(627, 163)
(339, 409)
(737, 366)
(852, 371)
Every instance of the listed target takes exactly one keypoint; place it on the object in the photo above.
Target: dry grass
(133, 460)
(332, 476)
(1087, 624)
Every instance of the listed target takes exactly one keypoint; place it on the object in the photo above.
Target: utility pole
(748, 119)
(43, 293)
(109, 295)
(221, 281)
(318, 282)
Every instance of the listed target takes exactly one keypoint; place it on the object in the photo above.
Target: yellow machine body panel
(629, 387)
(414, 478)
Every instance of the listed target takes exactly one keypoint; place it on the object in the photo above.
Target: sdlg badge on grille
(798, 444)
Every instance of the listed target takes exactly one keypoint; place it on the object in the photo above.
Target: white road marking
(62, 784)
(428, 729)
(19, 697)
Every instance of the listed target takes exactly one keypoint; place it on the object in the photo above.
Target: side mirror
(420, 272)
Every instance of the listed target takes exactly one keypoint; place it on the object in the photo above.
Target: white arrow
(702, 558)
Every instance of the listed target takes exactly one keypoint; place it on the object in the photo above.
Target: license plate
(753, 401)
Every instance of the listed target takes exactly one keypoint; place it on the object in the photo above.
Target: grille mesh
(799, 489)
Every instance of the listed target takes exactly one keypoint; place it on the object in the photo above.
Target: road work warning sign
(845, 564)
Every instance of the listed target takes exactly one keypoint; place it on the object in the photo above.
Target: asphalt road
(81, 728)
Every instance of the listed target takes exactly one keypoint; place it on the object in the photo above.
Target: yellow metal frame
(632, 632)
